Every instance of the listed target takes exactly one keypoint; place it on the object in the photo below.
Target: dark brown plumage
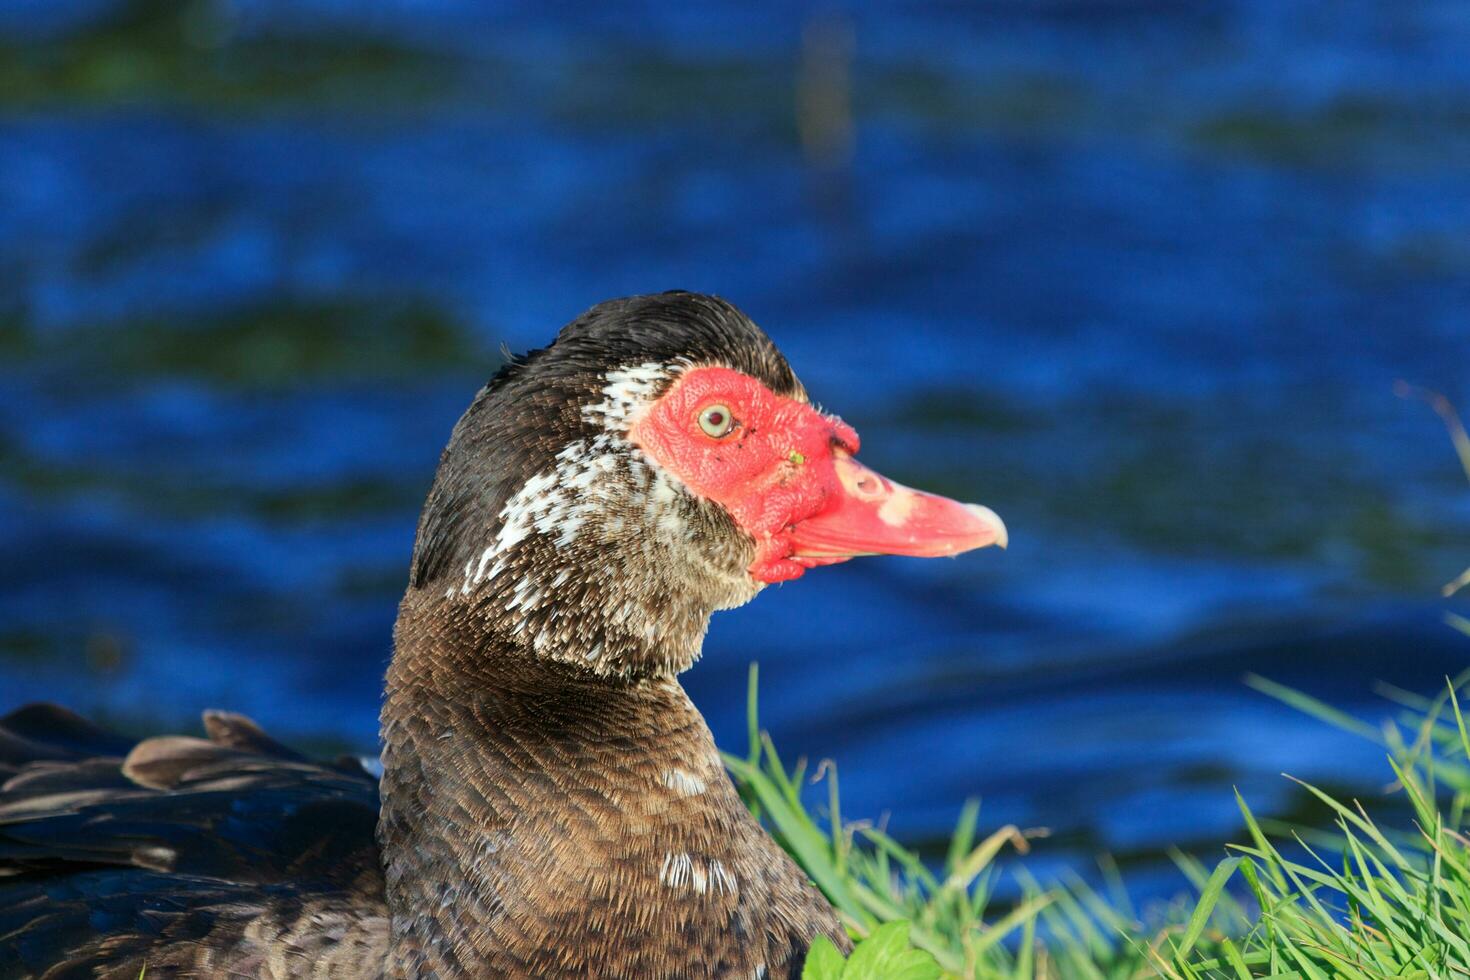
(550, 808)
(552, 804)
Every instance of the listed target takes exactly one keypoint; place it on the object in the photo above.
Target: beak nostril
(838, 442)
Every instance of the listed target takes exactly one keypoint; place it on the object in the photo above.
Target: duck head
(602, 496)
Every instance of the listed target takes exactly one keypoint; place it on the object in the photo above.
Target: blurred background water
(1139, 275)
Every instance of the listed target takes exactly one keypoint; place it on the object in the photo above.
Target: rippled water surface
(1139, 276)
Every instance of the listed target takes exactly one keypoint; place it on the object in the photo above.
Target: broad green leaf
(823, 961)
(887, 955)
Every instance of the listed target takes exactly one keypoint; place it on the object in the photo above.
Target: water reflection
(1141, 279)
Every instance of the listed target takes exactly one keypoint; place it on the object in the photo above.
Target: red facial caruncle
(786, 474)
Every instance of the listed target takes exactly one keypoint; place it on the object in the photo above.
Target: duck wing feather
(225, 855)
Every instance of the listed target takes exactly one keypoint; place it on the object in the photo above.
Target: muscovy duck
(552, 804)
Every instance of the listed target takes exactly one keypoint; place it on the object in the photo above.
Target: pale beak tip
(1002, 537)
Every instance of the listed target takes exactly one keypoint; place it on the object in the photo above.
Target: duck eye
(716, 421)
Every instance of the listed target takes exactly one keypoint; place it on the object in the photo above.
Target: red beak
(872, 515)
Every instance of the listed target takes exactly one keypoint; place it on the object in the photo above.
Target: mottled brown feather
(552, 804)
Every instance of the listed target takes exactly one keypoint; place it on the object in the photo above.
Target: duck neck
(537, 814)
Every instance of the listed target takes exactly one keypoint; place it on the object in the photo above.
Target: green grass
(1361, 898)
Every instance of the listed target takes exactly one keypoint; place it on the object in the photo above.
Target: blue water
(1139, 276)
